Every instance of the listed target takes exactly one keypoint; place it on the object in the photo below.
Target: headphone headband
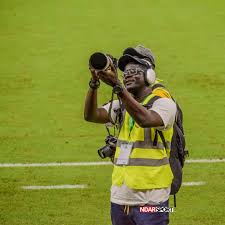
(148, 63)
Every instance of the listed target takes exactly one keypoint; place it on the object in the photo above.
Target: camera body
(101, 62)
(109, 149)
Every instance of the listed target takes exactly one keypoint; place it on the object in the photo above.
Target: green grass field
(44, 52)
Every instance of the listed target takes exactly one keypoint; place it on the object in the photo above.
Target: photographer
(142, 175)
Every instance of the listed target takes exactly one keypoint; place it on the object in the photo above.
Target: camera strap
(110, 109)
(119, 115)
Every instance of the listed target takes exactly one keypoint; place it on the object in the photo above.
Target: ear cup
(150, 76)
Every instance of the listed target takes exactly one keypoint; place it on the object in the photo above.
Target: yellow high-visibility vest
(148, 165)
(161, 90)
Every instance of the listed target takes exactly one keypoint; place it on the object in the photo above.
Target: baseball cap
(141, 52)
(125, 59)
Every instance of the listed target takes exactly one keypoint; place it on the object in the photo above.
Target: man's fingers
(94, 73)
(103, 74)
(113, 68)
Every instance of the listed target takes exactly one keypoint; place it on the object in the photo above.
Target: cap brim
(125, 59)
(131, 51)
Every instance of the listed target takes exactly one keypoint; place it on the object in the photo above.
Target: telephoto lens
(100, 61)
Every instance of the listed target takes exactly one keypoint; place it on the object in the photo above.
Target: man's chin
(130, 88)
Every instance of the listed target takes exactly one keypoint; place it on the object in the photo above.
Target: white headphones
(150, 75)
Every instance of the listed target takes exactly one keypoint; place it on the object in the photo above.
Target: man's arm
(91, 111)
(142, 116)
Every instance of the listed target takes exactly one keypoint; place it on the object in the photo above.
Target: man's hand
(95, 76)
(110, 76)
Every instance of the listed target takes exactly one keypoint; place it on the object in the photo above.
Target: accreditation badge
(125, 150)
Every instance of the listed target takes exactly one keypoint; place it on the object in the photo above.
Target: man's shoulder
(166, 108)
(115, 105)
(160, 90)
(112, 108)
(164, 101)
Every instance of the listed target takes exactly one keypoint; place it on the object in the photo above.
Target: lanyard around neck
(131, 123)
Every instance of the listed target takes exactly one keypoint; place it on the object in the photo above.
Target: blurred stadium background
(44, 52)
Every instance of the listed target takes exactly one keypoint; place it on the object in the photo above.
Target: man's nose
(127, 75)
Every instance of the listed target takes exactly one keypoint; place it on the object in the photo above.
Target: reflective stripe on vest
(145, 162)
(147, 143)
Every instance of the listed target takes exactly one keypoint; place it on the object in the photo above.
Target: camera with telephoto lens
(101, 62)
(109, 149)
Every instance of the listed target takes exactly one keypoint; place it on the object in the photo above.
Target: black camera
(101, 62)
(109, 149)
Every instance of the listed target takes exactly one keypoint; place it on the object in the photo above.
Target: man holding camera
(142, 175)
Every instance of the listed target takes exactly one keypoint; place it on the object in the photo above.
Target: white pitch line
(66, 186)
(205, 160)
(199, 183)
(54, 164)
(82, 186)
(94, 163)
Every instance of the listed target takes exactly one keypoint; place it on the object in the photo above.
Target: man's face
(133, 77)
